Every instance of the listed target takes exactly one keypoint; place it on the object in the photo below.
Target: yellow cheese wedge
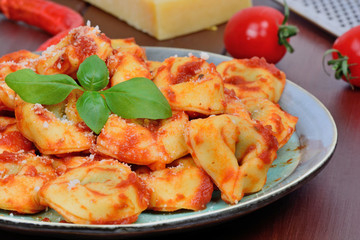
(165, 19)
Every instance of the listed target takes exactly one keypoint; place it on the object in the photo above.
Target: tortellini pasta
(21, 177)
(144, 142)
(182, 185)
(11, 139)
(66, 56)
(128, 45)
(52, 131)
(99, 192)
(253, 78)
(235, 151)
(124, 66)
(7, 95)
(225, 130)
(191, 84)
(10, 63)
(269, 114)
(21, 56)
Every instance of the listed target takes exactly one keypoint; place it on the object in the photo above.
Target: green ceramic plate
(307, 152)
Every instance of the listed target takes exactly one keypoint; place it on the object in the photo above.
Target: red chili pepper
(49, 16)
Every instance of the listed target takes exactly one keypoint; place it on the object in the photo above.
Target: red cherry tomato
(254, 31)
(347, 47)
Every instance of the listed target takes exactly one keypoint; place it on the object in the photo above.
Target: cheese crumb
(73, 183)
(65, 120)
(204, 55)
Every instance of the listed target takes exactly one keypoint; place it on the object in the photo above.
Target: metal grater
(335, 16)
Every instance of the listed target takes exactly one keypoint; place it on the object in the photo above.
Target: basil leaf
(137, 98)
(43, 89)
(93, 110)
(93, 74)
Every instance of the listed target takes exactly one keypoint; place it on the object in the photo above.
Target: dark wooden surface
(328, 207)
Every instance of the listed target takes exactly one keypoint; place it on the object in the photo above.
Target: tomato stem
(286, 31)
(340, 65)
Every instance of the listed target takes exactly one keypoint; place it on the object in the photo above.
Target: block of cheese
(165, 19)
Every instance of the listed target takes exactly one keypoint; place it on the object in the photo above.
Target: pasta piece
(153, 67)
(7, 95)
(234, 151)
(70, 111)
(21, 56)
(181, 186)
(143, 141)
(269, 114)
(66, 56)
(191, 84)
(10, 63)
(7, 68)
(128, 45)
(51, 131)
(76, 161)
(61, 165)
(124, 66)
(11, 140)
(99, 192)
(253, 78)
(21, 177)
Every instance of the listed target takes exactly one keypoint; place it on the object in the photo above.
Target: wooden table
(328, 207)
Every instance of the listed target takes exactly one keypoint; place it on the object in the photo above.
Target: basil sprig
(92, 109)
(146, 101)
(44, 89)
(134, 98)
(93, 74)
